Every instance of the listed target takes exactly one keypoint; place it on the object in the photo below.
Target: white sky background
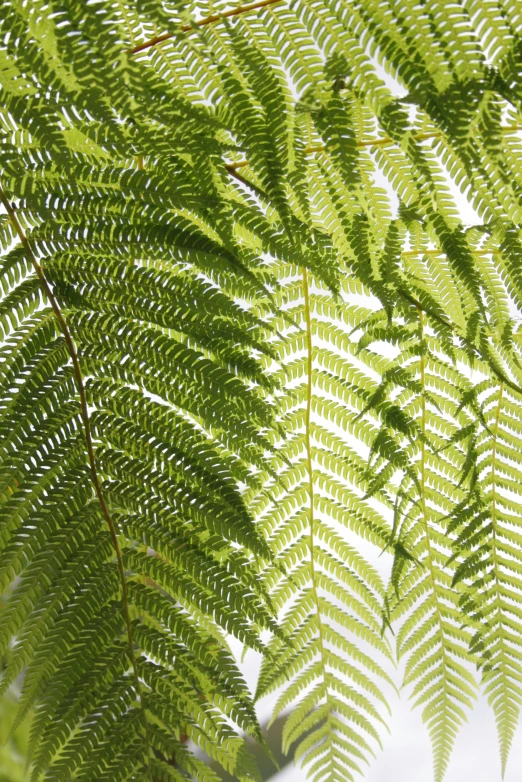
(406, 754)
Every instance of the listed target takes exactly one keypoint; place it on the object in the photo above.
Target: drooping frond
(193, 192)
(487, 549)
(170, 488)
(432, 637)
(131, 412)
(334, 674)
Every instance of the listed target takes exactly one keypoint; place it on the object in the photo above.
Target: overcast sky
(407, 753)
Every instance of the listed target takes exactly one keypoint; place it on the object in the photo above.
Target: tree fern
(422, 594)
(240, 319)
(487, 549)
(73, 599)
(127, 423)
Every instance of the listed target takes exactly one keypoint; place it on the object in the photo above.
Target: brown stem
(186, 28)
(46, 288)
(369, 143)
(232, 170)
(231, 167)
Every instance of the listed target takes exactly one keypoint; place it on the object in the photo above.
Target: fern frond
(227, 226)
(329, 597)
(488, 562)
(119, 632)
(422, 596)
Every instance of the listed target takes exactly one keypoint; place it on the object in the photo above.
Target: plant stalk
(186, 28)
(69, 341)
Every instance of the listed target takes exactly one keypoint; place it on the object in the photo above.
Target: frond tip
(327, 595)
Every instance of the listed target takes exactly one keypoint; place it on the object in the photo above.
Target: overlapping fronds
(329, 597)
(487, 550)
(431, 463)
(131, 412)
(115, 648)
(195, 195)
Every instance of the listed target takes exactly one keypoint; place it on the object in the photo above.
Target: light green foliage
(488, 559)
(14, 748)
(328, 595)
(249, 342)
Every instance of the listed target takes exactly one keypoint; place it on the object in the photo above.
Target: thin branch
(435, 252)
(231, 168)
(369, 143)
(232, 171)
(377, 142)
(186, 28)
(47, 290)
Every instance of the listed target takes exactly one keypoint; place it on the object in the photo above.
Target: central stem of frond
(310, 469)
